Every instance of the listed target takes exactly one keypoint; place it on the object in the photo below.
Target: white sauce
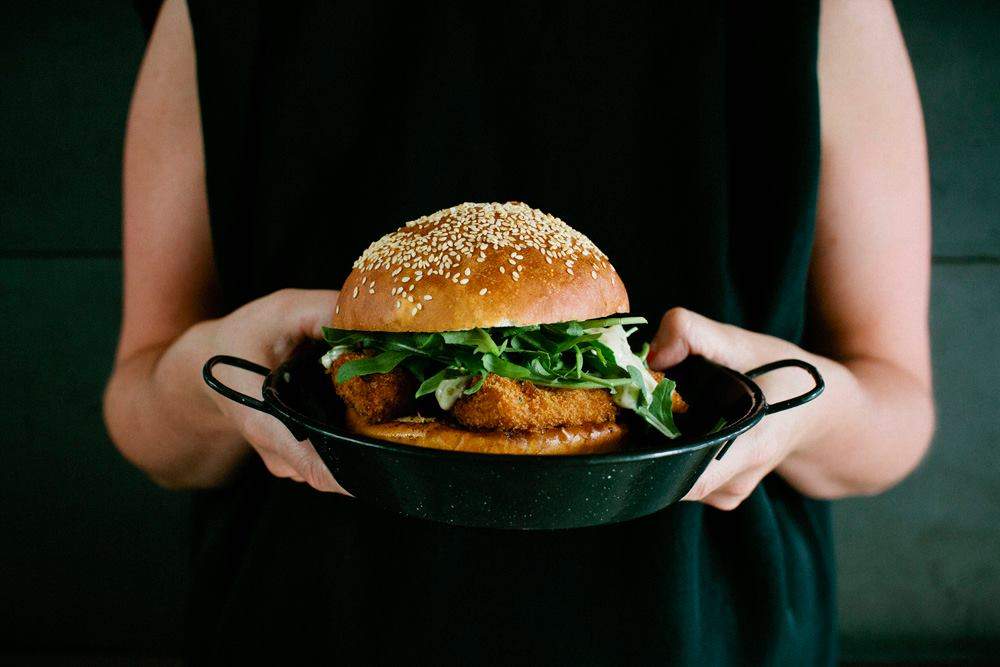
(450, 391)
(615, 338)
(334, 354)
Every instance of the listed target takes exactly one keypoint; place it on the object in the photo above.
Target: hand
(267, 331)
(726, 483)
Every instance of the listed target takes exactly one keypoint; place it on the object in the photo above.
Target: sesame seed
(337, 309)
(420, 306)
(410, 288)
(483, 291)
(569, 270)
(355, 295)
(398, 304)
(463, 281)
(413, 311)
(427, 297)
(593, 274)
(371, 291)
(437, 244)
(468, 271)
(409, 297)
(503, 270)
(515, 275)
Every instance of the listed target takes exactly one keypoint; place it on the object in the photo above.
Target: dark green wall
(94, 554)
(920, 565)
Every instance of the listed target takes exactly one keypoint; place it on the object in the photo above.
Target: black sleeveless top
(683, 139)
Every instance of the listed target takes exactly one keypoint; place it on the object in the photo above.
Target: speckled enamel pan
(512, 491)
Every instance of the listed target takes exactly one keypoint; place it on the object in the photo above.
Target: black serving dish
(515, 491)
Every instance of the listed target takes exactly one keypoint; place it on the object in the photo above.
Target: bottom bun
(435, 434)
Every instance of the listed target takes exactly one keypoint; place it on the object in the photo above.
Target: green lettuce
(567, 355)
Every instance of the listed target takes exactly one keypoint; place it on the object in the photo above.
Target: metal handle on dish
(795, 401)
(240, 397)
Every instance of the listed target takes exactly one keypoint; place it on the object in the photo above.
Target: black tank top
(683, 139)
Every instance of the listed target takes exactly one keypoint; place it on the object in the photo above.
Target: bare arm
(869, 286)
(870, 274)
(157, 409)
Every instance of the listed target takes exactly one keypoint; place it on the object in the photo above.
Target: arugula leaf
(477, 338)
(340, 337)
(382, 363)
(637, 379)
(476, 386)
(430, 384)
(643, 353)
(570, 343)
(508, 369)
(567, 355)
(605, 322)
(659, 412)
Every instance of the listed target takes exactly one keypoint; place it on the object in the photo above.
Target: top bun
(479, 265)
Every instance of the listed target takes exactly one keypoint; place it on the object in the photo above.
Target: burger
(492, 328)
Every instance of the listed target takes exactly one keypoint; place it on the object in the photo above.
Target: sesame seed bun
(479, 265)
(436, 434)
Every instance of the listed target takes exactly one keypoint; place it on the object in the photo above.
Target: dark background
(94, 555)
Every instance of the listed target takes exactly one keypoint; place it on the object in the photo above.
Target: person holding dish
(759, 176)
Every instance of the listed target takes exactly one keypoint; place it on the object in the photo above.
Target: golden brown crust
(437, 434)
(479, 265)
(380, 396)
(513, 405)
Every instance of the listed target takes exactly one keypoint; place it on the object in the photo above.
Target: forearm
(867, 431)
(162, 419)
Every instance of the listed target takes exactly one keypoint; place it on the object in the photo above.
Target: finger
(731, 494)
(683, 332)
(287, 458)
(278, 467)
(311, 310)
(314, 471)
(746, 454)
(290, 316)
(723, 501)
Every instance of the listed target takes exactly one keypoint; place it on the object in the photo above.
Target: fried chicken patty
(378, 397)
(511, 405)
(501, 404)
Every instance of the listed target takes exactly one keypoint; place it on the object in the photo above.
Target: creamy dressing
(614, 337)
(335, 353)
(450, 391)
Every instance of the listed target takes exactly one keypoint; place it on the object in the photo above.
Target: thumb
(285, 318)
(308, 311)
(683, 333)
